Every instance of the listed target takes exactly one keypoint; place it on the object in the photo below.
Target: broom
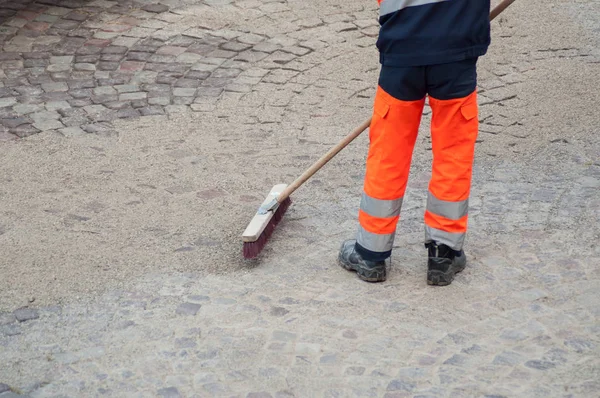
(271, 212)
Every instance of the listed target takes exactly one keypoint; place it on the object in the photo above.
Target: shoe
(351, 260)
(443, 264)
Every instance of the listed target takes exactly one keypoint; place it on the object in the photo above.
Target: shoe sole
(351, 268)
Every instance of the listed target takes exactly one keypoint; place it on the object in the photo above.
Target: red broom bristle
(253, 249)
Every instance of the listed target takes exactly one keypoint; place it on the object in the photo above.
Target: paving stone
(151, 110)
(136, 104)
(73, 131)
(169, 392)
(100, 129)
(111, 57)
(45, 115)
(401, 385)
(250, 38)
(170, 51)
(231, 73)
(203, 67)
(157, 88)
(126, 88)
(187, 83)
(113, 80)
(61, 60)
(86, 59)
(81, 84)
(184, 92)
(26, 314)
(236, 46)
(81, 102)
(251, 56)
(132, 96)
(166, 67)
(197, 75)
(54, 68)
(56, 105)
(188, 309)
(13, 395)
(6, 102)
(189, 58)
(44, 125)
(33, 63)
(108, 66)
(159, 100)
(28, 90)
(210, 92)
(7, 92)
(81, 93)
(52, 96)
(507, 359)
(540, 365)
(77, 16)
(266, 47)
(156, 8)
(11, 330)
(222, 54)
(117, 105)
(120, 50)
(182, 100)
(55, 87)
(167, 78)
(238, 88)
(139, 56)
(202, 49)
(75, 121)
(127, 113)
(104, 90)
(84, 67)
(144, 77)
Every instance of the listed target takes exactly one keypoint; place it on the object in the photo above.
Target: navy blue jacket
(429, 32)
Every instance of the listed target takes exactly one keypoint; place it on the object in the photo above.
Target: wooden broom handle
(499, 8)
(358, 131)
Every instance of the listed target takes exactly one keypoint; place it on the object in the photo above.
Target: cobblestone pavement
(76, 65)
(521, 321)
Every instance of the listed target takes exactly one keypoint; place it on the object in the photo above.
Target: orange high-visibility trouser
(393, 134)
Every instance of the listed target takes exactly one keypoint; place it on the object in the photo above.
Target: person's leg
(454, 128)
(397, 114)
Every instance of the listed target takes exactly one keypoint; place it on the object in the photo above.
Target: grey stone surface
(188, 309)
(26, 314)
(13, 395)
(170, 392)
(123, 231)
(7, 318)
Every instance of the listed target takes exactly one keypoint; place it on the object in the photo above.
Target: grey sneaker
(369, 271)
(443, 264)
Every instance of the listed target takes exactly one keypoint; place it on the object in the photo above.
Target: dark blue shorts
(443, 81)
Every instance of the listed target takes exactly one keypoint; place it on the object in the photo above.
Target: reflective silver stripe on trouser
(453, 240)
(379, 208)
(375, 242)
(390, 6)
(447, 209)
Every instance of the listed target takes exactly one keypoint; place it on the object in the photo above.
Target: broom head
(263, 224)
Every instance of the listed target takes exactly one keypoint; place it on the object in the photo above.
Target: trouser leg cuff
(369, 255)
